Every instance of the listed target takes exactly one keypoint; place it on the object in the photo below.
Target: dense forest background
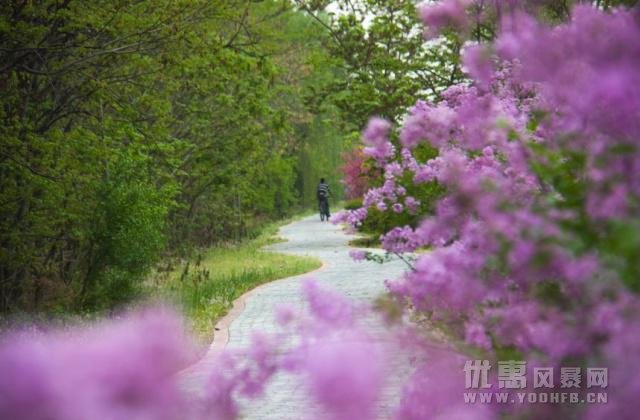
(133, 130)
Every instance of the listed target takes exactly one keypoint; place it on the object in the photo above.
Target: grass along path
(206, 286)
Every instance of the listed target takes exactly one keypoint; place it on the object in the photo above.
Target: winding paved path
(362, 281)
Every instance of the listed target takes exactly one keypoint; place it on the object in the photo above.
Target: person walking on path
(323, 194)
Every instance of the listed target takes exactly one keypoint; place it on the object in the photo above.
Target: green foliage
(385, 62)
(321, 157)
(616, 242)
(353, 204)
(140, 127)
(126, 234)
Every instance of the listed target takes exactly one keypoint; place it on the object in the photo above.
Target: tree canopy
(133, 128)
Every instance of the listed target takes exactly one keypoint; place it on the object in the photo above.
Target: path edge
(221, 328)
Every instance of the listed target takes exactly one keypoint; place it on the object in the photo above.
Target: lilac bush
(540, 157)
(121, 369)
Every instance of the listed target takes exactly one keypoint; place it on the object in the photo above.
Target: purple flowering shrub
(115, 370)
(536, 238)
(408, 202)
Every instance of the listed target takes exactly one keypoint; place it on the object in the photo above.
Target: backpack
(322, 192)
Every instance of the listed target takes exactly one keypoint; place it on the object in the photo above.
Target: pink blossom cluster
(355, 175)
(591, 82)
(441, 15)
(375, 140)
(116, 370)
(400, 240)
(129, 368)
(539, 156)
(391, 195)
(351, 217)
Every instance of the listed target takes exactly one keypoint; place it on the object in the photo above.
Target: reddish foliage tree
(358, 175)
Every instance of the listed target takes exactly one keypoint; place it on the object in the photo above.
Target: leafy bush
(127, 233)
(353, 204)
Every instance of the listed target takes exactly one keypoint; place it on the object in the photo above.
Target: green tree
(385, 63)
(131, 128)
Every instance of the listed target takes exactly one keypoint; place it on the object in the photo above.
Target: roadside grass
(206, 286)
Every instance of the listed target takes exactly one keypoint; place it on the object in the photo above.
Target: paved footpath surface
(362, 281)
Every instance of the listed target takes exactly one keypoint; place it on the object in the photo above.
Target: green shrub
(356, 203)
(127, 234)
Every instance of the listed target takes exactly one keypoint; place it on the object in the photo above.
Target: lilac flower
(121, 369)
(411, 204)
(442, 14)
(475, 334)
(375, 137)
(435, 389)
(327, 305)
(382, 206)
(351, 217)
(502, 253)
(357, 254)
(345, 375)
(477, 62)
(284, 315)
(400, 240)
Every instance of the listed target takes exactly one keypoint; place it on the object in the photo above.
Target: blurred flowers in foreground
(121, 369)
